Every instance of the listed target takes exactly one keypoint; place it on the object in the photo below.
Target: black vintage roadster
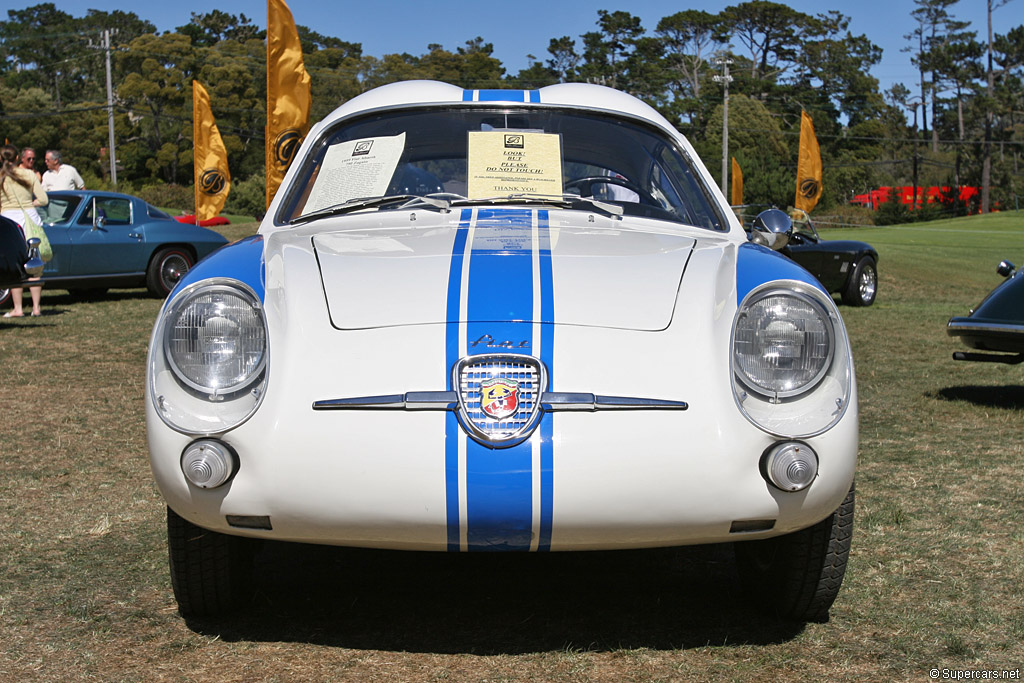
(845, 267)
(996, 326)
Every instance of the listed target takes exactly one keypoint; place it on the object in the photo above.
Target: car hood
(596, 271)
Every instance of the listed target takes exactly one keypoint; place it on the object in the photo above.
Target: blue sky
(526, 26)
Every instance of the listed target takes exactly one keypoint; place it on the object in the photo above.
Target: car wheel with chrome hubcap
(166, 269)
(863, 284)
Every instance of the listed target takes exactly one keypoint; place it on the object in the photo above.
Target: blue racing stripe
(499, 505)
(547, 347)
(500, 96)
(499, 482)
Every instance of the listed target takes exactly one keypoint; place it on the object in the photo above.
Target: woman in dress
(20, 194)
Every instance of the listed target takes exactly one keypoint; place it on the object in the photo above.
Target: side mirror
(34, 264)
(1006, 268)
(99, 216)
(772, 229)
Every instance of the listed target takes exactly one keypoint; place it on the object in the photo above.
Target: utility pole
(725, 79)
(913, 206)
(986, 163)
(112, 156)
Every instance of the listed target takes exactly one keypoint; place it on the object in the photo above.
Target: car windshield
(466, 156)
(60, 210)
(803, 225)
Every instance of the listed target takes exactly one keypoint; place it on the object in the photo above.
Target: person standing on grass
(60, 176)
(28, 160)
(20, 194)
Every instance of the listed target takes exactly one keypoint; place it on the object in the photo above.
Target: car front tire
(863, 284)
(211, 572)
(166, 269)
(798, 576)
(5, 296)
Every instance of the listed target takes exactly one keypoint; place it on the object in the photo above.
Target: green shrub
(248, 197)
(892, 212)
(169, 196)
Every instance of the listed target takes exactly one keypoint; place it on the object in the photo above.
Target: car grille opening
(499, 396)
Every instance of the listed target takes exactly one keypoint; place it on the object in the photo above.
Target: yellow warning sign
(503, 163)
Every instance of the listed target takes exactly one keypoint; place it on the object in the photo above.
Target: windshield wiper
(368, 203)
(445, 200)
(566, 200)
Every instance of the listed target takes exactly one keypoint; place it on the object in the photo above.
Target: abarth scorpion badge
(499, 397)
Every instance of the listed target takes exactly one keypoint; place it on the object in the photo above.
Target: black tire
(862, 286)
(5, 296)
(211, 572)
(166, 268)
(798, 576)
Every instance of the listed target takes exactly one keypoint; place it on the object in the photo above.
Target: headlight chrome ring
(783, 343)
(215, 339)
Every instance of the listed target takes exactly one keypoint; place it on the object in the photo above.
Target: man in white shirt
(60, 176)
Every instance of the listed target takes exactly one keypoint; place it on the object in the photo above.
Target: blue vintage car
(105, 239)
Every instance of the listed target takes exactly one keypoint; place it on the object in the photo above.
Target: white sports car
(504, 320)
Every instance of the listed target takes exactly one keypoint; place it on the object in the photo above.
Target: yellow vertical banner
(808, 167)
(737, 183)
(288, 94)
(210, 157)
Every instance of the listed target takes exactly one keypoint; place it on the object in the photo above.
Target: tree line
(958, 122)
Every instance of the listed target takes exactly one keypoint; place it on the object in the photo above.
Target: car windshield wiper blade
(438, 200)
(371, 202)
(566, 200)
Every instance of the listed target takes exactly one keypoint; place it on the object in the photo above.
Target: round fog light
(791, 466)
(208, 463)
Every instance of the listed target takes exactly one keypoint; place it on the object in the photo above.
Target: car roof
(91, 193)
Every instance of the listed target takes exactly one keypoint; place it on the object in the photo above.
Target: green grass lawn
(934, 580)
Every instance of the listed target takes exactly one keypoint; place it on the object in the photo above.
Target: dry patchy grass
(935, 578)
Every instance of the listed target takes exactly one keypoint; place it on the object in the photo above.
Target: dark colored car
(996, 326)
(13, 255)
(105, 239)
(845, 267)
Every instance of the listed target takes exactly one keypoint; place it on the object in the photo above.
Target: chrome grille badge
(499, 397)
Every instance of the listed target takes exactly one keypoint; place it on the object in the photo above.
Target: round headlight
(783, 343)
(215, 339)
